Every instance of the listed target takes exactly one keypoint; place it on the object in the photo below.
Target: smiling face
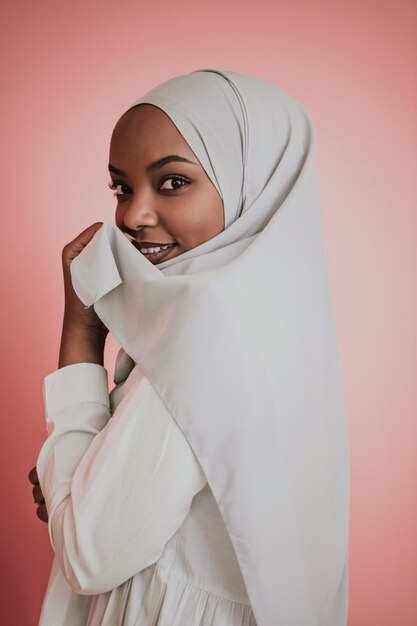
(161, 200)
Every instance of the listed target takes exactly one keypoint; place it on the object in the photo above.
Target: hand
(76, 315)
(38, 498)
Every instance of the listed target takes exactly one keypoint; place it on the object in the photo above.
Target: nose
(138, 212)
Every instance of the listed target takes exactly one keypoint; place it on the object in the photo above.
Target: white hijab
(238, 338)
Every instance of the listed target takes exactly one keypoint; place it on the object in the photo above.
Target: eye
(175, 179)
(120, 189)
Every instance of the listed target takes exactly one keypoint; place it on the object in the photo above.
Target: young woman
(211, 486)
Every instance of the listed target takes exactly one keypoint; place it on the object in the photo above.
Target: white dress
(137, 535)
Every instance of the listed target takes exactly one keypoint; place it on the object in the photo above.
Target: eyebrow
(156, 165)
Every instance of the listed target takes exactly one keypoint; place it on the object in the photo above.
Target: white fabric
(238, 338)
(136, 548)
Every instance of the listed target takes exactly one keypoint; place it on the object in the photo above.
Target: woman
(212, 485)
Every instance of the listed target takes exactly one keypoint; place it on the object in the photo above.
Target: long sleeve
(116, 486)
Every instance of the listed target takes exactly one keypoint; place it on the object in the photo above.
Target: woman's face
(161, 200)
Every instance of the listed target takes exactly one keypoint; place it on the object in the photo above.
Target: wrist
(80, 344)
(78, 325)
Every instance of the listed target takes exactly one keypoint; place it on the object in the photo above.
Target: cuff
(75, 383)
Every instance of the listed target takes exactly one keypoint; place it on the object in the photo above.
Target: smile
(155, 248)
(155, 254)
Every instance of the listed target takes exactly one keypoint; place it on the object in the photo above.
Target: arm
(116, 489)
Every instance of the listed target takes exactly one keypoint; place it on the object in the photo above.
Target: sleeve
(116, 489)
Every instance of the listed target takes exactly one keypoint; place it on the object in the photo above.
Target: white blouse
(137, 535)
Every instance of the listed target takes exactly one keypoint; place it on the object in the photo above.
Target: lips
(154, 257)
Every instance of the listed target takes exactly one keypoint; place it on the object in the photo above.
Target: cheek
(213, 215)
(195, 220)
(195, 227)
(220, 216)
(217, 214)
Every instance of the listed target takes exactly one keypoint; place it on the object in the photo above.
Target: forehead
(147, 130)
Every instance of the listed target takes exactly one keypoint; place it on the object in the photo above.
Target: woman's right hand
(76, 315)
(83, 333)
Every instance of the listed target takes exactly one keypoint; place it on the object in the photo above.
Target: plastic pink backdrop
(70, 70)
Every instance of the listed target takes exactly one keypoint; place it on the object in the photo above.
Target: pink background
(70, 71)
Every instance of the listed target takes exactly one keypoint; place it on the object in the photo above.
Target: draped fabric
(238, 338)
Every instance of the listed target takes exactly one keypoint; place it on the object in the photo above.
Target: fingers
(74, 247)
(38, 498)
(42, 513)
(33, 476)
(38, 495)
(88, 233)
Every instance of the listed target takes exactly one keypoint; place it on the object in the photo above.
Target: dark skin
(173, 203)
(38, 498)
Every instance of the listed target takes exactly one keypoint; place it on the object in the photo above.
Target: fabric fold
(101, 274)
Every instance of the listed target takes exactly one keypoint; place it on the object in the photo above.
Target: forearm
(116, 489)
(79, 345)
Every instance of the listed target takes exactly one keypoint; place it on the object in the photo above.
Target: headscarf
(238, 338)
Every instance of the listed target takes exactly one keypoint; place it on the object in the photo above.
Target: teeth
(151, 250)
